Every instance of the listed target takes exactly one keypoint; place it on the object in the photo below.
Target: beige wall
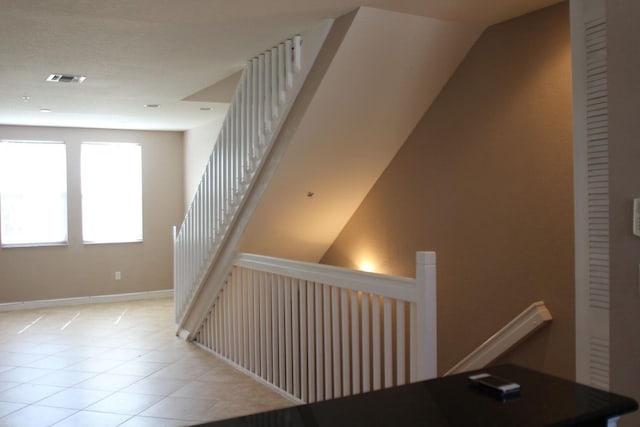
(485, 180)
(79, 270)
(624, 185)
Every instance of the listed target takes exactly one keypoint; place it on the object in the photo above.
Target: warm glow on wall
(367, 265)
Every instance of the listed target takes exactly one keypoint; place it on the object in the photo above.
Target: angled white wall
(384, 76)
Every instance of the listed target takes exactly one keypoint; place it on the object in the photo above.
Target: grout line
(69, 322)
(119, 318)
(30, 325)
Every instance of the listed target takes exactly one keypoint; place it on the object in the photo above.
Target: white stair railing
(318, 332)
(264, 95)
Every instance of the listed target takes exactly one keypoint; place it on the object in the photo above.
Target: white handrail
(380, 284)
(531, 319)
(317, 332)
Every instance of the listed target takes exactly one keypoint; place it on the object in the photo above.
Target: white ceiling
(141, 52)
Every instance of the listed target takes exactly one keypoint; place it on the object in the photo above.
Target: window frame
(82, 206)
(65, 221)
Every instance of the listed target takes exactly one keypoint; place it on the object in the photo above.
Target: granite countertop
(544, 400)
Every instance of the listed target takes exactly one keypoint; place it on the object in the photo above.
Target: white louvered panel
(599, 361)
(597, 129)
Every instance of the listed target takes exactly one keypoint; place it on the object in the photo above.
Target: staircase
(291, 127)
(267, 90)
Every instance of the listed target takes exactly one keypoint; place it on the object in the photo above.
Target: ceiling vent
(65, 78)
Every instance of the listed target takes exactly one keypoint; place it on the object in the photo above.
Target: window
(33, 193)
(111, 176)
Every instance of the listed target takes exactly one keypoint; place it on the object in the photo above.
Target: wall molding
(591, 190)
(96, 299)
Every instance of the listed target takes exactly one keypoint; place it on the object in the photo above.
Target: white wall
(198, 145)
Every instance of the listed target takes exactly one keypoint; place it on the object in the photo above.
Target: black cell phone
(496, 386)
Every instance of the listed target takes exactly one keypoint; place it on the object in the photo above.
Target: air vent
(65, 78)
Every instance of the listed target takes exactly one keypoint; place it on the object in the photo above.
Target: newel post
(424, 327)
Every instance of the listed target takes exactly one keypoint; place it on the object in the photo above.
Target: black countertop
(450, 401)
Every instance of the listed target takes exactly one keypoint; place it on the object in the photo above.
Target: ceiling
(165, 52)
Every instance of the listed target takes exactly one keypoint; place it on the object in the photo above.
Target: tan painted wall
(485, 180)
(85, 270)
(624, 165)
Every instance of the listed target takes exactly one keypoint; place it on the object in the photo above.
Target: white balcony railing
(318, 332)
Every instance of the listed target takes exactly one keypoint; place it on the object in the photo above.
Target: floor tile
(13, 359)
(108, 382)
(161, 356)
(45, 349)
(54, 362)
(226, 375)
(182, 371)
(23, 375)
(9, 407)
(155, 422)
(95, 365)
(125, 403)
(93, 419)
(102, 372)
(202, 390)
(28, 393)
(137, 368)
(156, 386)
(123, 354)
(35, 416)
(181, 408)
(224, 409)
(64, 378)
(4, 385)
(83, 351)
(74, 398)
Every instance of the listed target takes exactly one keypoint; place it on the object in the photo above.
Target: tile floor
(115, 364)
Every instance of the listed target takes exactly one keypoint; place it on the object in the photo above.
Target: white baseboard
(28, 305)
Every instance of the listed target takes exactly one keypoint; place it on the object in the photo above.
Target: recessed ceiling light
(152, 105)
(26, 98)
(205, 108)
(45, 110)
